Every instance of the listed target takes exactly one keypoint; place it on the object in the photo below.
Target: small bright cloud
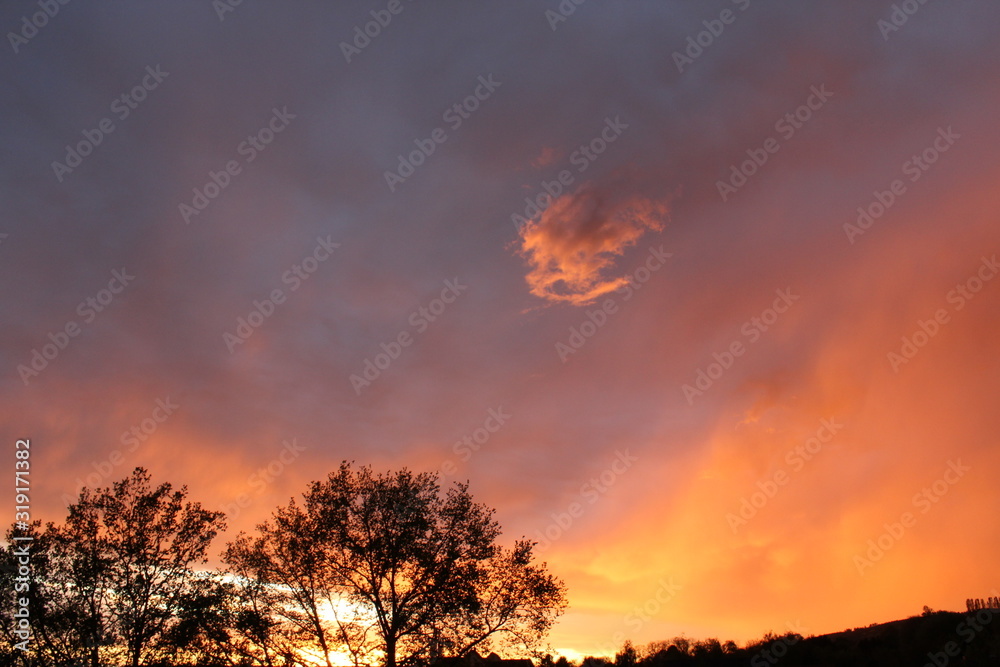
(572, 248)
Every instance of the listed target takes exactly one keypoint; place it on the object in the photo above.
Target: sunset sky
(703, 297)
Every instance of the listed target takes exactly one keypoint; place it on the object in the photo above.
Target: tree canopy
(113, 583)
(390, 567)
(365, 568)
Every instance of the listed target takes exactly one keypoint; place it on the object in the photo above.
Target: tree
(113, 583)
(149, 539)
(286, 585)
(81, 564)
(628, 656)
(388, 566)
(683, 644)
(516, 605)
(707, 648)
(256, 610)
(56, 622)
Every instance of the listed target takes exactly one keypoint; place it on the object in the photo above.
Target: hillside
(937, 639)
(934, 639)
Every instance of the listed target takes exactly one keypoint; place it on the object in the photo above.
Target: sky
(701, 297)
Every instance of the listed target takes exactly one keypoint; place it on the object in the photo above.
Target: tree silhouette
(58, 613)
(151, 538)
(256, 609)
(114, 582)
(385, 565)
(628, 656)
(517, 603)
(287, 583)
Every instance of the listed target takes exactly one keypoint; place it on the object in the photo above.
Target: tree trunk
(390, 652)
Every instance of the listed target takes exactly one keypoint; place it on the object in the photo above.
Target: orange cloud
(575, 242)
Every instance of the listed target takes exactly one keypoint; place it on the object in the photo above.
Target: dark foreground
(934, 639)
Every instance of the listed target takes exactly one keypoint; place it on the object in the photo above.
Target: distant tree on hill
(682, 643)
(707, 648)
(628, 656)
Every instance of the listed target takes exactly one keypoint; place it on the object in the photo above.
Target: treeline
(365, 569)
(933, 639)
